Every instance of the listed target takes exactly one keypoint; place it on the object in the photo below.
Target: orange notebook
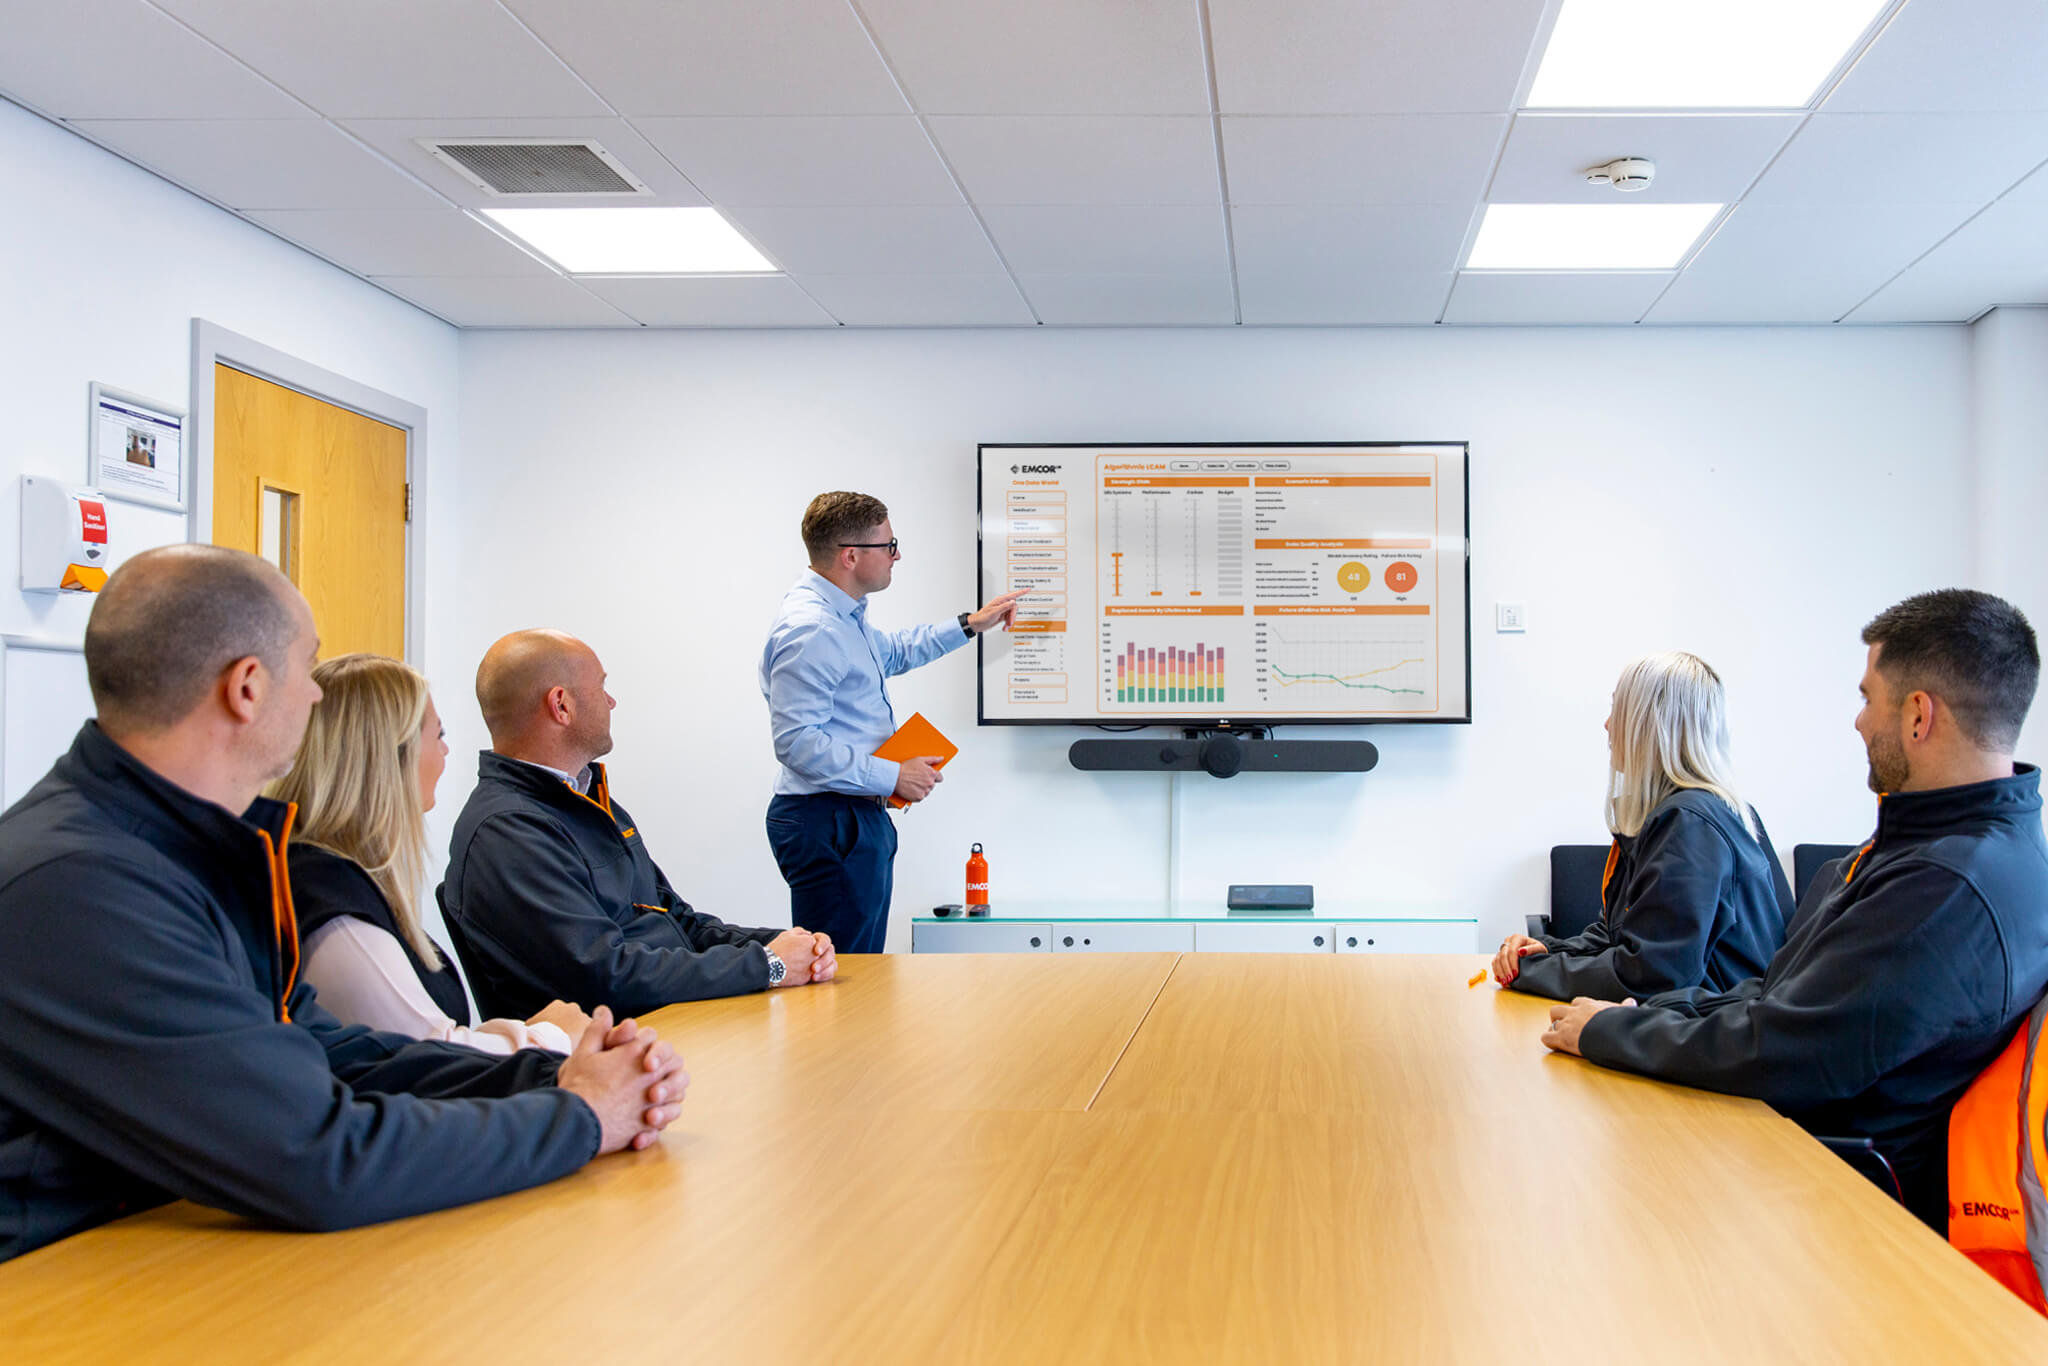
(916, 739)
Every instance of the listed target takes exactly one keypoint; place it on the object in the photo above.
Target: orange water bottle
(977, 882)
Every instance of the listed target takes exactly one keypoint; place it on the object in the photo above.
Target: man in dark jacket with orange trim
(1909, 965)
(154, 1040)
(550, 892)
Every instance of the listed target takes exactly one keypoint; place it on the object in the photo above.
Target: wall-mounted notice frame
(138, 449)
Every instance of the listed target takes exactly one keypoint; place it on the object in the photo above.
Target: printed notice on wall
(138, 449)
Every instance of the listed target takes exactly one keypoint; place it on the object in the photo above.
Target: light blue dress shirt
(825, 674)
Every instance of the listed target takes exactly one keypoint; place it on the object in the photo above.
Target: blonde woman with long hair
(363, 782)
(1692, 894)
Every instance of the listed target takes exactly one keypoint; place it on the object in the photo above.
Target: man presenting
(1910, 964)
(825, 674)
(155, 1041)
(550, 891)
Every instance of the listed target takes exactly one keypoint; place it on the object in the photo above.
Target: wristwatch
(777, 969)
(964, 626)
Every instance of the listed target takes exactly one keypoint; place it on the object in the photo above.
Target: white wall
(2010, 369)
(105, 268)
(1751, 494)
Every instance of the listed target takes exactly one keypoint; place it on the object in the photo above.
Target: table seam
(1118, 1060)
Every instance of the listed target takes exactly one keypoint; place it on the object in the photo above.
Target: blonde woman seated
(1692, 895)
(363, 782)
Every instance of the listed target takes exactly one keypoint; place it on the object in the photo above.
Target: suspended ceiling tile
(1802, 263)
(710, 301)
(263, 164)
(686, 57)
(1013, 159)
(806, 160)
(1131, 300)
(523, 301)
(1906, 158)
(1313, 298)
(1360, 159)
(1110, 239)
(396, 58)
(399, 139)
(1344, 57)
(1953, 54)
(1996, 258)
(871, 241)
(1701, 158)
(402, 242)
(2032, 190)
(1049, 57)
(1539, 297)
(1353, 239)
(81, 59)
(920, 300)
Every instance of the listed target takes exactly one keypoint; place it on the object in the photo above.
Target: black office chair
(1809, 859)
(1575, 872)
(1863, 1156)
(462, 953)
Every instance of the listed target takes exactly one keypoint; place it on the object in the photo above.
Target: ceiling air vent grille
(527, 167)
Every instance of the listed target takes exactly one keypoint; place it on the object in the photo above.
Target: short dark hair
(1972, 650)
(171, 619)
(834, 517)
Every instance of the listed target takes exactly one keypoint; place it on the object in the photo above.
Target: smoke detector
(1627, 174)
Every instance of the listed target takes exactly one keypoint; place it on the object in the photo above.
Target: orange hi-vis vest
(1997, 1160)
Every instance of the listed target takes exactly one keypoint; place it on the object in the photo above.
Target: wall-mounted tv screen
(1194, 585)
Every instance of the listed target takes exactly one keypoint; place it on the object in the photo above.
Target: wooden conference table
(1313, 1158)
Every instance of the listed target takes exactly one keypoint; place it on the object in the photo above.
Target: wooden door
(322, 490)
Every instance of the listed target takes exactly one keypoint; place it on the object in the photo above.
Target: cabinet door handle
(1319, 941)
(1034, 941)
(1352, 942)
(1068, 941)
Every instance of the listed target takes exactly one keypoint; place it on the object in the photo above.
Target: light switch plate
(1510, 616)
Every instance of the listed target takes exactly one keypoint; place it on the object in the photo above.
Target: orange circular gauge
(1353, 577)
(1400, 576)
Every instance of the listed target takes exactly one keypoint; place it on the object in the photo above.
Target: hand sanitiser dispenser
(64, 545)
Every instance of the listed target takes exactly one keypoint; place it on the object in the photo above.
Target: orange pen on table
(1476, 979)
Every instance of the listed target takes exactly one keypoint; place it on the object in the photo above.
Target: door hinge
(408, 501)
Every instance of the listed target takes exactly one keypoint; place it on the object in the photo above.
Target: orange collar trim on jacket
(1857, 860)
(284, 920)
(600, 794)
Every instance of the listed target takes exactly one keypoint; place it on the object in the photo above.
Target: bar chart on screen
(1170, 673)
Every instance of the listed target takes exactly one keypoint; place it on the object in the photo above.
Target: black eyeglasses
(888, 545)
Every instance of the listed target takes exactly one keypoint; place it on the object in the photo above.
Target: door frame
(214, 345)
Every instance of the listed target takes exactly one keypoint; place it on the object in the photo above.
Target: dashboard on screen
(1199, 584)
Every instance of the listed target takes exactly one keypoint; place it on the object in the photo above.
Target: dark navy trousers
(838, 855)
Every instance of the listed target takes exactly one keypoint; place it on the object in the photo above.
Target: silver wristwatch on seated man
(777, 969)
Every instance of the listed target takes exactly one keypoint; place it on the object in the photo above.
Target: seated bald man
(155, 1041)
(550, 892)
